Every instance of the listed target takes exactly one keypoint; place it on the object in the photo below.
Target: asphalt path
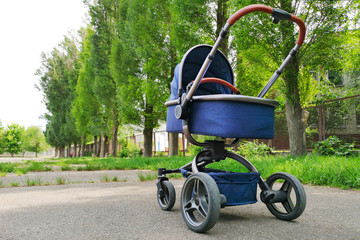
(129, 210)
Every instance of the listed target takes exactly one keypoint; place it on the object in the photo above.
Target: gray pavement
(129, 210)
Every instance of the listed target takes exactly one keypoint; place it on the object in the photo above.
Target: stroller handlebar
(276, 13)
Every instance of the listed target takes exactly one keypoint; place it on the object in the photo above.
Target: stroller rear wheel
(200, 202)
(166, 196)
(290, 202)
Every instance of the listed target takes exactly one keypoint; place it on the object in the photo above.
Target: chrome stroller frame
(205, 190)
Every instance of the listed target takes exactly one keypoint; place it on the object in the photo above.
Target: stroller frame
(202, 195)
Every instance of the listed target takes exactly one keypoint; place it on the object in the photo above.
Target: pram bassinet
(215, 111)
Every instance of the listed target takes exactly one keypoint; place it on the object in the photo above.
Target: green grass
(66, 168)
(105, 178)
(147, 176)
(60, 180)
(14, 184)
(343, 172)
(33, 182)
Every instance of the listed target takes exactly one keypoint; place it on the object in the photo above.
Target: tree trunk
(61, 152)
(294, 112)
(82, 151)
(95, 146)
(296, 122)
(221, 18)
(98, 153)
(75, 150)
(106, 146)
(114, 134)
(56, 152)
(173, 144)
(148, 142)
(69, 150)
(79, 151)
(102, 146)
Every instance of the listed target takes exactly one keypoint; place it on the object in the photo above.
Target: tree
(34, 140)
(85, 108)
(271, 44)
(140, 65)
(13, 139)
(104, 15)
(58, 77)
(2, 133)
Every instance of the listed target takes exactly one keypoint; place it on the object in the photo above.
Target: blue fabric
(229, 119)
(192, 62)
(183, 172)
(238, 188)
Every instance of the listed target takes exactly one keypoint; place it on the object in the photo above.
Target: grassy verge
(343, 172)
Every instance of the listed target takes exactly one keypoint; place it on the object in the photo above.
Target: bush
(333, 146)
(254, 148)
(130, 150)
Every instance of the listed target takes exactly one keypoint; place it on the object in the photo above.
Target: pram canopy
(186, 72)
(215, 111)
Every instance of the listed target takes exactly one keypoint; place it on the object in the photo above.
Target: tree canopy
(118, 70)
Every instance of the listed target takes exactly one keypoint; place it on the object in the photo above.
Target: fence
(340, 117)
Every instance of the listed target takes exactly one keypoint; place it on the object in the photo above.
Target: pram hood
(189, 67)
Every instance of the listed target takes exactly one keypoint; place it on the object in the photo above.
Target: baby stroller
(204, 101)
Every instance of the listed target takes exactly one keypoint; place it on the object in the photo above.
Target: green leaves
(58, 77)
(333, 146)
(12, 139)
(34, 140)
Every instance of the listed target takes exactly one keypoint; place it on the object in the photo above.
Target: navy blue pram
(225, 115)
(204, 101)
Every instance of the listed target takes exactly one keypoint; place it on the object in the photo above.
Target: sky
(28, 28)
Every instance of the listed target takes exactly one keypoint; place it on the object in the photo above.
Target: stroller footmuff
(204, 101)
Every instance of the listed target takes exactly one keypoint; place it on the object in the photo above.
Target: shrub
(130, 150)
(333, 146)
(248, 149)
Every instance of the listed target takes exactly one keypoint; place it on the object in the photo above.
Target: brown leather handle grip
(302, 28)
(249, 9)
(268, 10)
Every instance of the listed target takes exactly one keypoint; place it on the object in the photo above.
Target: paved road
(129, 210)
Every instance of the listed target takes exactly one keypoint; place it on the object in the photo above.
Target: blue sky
(27, 29)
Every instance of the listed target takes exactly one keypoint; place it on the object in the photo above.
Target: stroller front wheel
(290, 197)
(200, 202)
(166, 196)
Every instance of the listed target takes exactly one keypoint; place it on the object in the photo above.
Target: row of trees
(117, 71)
(15, 139)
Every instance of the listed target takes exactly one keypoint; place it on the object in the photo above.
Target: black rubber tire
(167, 201)
(200, 202)
(290, 209)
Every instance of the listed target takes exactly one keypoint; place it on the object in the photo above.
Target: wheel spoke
(285, 186)
(190, 206)
(196, 186)
(202, 211)
(288, 205)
